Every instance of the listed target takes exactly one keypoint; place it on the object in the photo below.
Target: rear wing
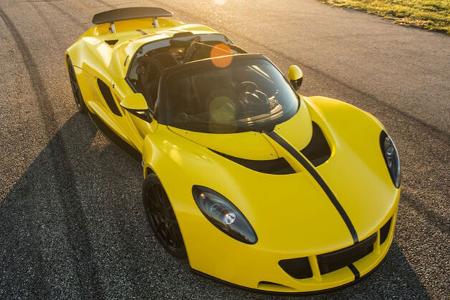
(129, 13)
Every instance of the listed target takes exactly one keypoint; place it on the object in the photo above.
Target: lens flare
(219, 2)
(219, 55)
(222, 113)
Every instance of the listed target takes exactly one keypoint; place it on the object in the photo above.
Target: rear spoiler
(129, 13)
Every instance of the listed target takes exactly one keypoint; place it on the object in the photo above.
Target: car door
(107, 108)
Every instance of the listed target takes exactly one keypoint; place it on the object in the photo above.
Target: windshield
(226, 95)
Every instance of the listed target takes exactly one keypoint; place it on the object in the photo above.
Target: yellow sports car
(251, 182)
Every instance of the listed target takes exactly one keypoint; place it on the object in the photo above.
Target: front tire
(161, 217)
(79, 101)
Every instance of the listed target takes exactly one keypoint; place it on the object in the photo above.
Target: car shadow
(73, 226)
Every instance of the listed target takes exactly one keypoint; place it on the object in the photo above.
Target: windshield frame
(165, 42)
(161, 113)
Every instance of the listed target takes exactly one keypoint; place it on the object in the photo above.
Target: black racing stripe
(354, 271)
(277, 138)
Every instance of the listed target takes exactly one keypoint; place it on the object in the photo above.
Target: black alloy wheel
(79, 101)
(161, 217)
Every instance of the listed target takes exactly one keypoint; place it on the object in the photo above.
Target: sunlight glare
(219, 55)
(219, 2)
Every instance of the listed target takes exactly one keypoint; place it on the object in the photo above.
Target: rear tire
(79, 101)
(161, 217)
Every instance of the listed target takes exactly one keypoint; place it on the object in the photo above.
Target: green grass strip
(428, 14)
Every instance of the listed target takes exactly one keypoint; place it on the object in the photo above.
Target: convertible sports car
(253, 183)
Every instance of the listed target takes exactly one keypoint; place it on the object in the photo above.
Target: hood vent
(277, 166)
(317, 151)
(111, 42)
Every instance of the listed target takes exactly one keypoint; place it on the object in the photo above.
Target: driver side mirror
(137, 105)
(295, 76)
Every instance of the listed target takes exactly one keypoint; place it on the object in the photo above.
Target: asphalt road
(71, 217)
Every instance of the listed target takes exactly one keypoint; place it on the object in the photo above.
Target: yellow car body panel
(282, 233)
(291, 214)
(93, 58)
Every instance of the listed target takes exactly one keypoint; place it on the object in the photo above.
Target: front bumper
(254, 268)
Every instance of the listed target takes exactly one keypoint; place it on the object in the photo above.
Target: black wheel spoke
(75, 88)
(163, 221)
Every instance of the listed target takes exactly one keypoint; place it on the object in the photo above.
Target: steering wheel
(246, 86)
(248, 93)
(251, 99)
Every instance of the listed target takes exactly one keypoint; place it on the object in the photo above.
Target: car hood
(292, 212)
(253, 145)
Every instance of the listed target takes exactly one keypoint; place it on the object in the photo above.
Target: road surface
(71, 217)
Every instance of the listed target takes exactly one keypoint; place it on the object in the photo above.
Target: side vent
(317, 151)
(109, 99)
(277, 166)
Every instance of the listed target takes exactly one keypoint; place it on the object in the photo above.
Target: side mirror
(295, 76)
(137, 105)
(134, 102)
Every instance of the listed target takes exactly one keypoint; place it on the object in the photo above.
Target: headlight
(223, 214)
(391, 157)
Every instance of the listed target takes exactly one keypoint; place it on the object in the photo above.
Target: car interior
(147, 67)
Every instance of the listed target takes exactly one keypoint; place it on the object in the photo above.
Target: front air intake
(298, 268)
(333, 261)
(384, 231)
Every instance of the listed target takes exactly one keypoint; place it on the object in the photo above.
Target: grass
(428, 14)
